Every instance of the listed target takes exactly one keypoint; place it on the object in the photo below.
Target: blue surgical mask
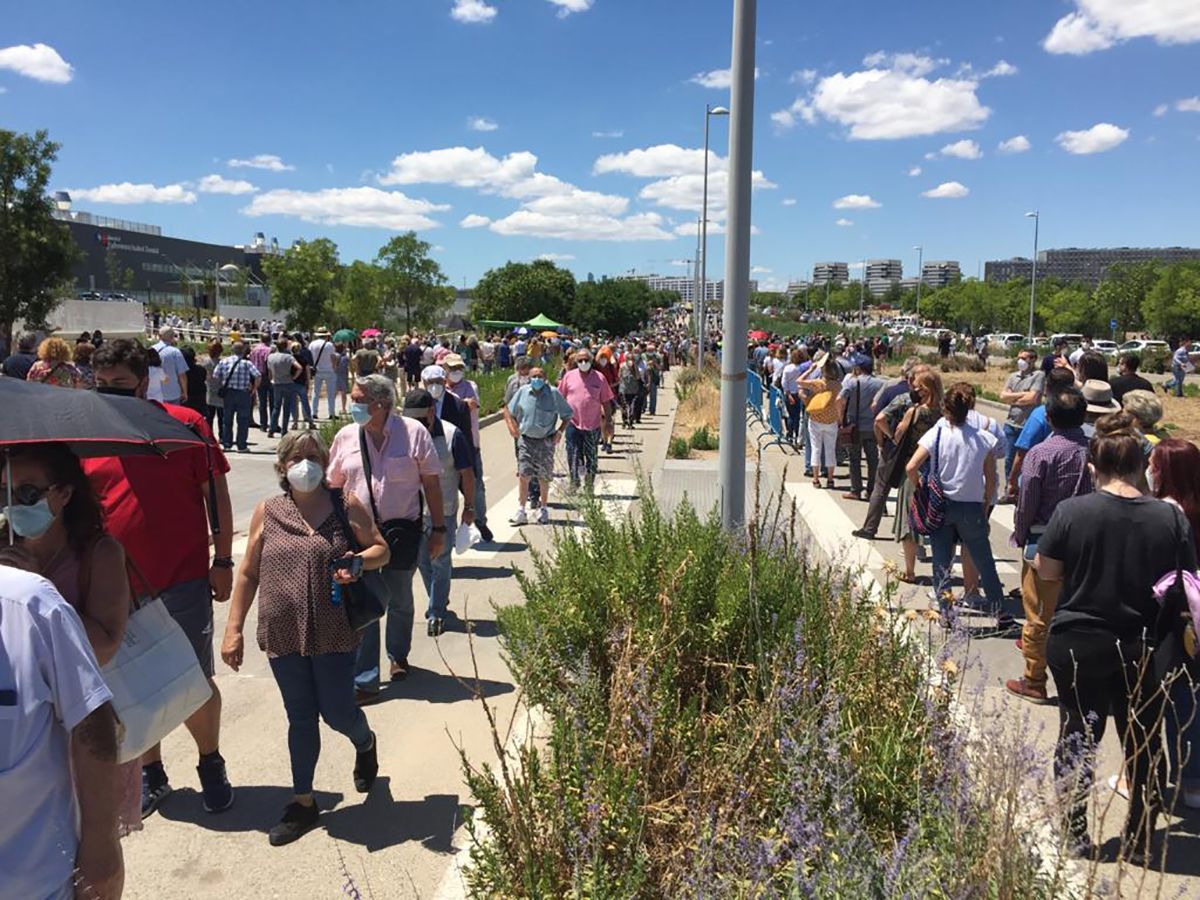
(537, 383)
(360, 413)
(30, 521)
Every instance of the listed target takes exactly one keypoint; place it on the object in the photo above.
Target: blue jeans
(1183, 748)
(327, 380)
(302, 392)
(581, 454)
(1011, 432)
(264, 404)
(965, 524)
(652, 400)
(1176, 382)
(436, 573)
(283, 400)
(794, 414)
(238, 404)
(317, 685)
(804, 433)
(399, 630)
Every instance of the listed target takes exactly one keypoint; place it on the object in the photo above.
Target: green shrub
(686, 381)
(702, 439)
(678, 448)
(955, 362)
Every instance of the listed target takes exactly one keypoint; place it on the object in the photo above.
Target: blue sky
(508, 129)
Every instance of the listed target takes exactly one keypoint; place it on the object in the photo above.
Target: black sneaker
(366, 767)
(214, 785)
(864, 534)
(155, 787)
(297, 821)
(434, 627)
(485, 534)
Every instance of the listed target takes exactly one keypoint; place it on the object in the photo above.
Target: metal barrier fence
(773, 418)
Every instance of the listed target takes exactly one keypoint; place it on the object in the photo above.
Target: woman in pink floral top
(54, 365)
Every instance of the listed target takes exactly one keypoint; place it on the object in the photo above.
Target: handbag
(155, 679)
(927, 507)
(848, 433)
(365, 599)
(403, 536)
(1175, 644)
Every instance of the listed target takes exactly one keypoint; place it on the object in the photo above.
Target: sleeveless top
(296, 612)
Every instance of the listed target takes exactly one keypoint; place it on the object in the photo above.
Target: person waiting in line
(822, 409)
(303, 546)
(918, 419)
(197, 378)
(1037, 428)
(538, 417)
(403, 466)
(854, 408)
(54, 365)
(341, 369)
(18, 364)
(285, 392)
(629, 383)
(467, 392)
(237, 380)
(606, 367)
(1108, 548)
(82, 357)
(1128, 378)
(789, 383)
(1022, 392)
(1055, 470)
(964, 455)
(589, 396)
(457, 476)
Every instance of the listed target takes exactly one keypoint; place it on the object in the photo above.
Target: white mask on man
(585, 365)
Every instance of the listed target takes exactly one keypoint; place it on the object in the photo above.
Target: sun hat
(433, 373)
(1099, 396)
(453, 361)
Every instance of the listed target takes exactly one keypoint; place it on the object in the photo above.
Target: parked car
(1072, 339)
(1142, 347)
(1107, 348)
(1006, 340)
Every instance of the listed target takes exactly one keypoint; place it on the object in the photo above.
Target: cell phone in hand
(351, 564)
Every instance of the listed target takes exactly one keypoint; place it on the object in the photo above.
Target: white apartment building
(837, 272)
(685, 286)
(881, 274)
(939, 273)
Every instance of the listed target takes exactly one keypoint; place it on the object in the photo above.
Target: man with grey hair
(589, 395)
(238, 380)
(388, 462)
(18, 365)
(174, 367)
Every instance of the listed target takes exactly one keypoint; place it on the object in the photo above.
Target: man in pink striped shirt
(589, 394)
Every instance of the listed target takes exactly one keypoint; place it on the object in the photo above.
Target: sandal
(829, 484)
(906, 578)
(816, 481)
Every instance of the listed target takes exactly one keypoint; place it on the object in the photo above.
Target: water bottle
(335, 595)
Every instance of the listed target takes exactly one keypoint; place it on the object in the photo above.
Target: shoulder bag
(366, 598)
(1175, 643)
(223, 390)
(848, 431)
(927, 507)
(155, 679)
(403, 536)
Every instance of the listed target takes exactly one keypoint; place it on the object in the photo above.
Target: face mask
(585, 366)
(1022, 365)
(454, 376)
(436, 391)
(30, 521)
(915, 396)
(305, 475)
(537, 383)
(603, 361)
(360, 413)
(1150, 482)
(116, 391)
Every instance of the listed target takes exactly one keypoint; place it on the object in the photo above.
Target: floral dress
(59, 374)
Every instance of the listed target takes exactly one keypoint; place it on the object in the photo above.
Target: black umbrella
(90, 424)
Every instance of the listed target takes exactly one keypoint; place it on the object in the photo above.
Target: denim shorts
(190, 604)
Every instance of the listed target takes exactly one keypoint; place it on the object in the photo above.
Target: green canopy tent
(543, 323)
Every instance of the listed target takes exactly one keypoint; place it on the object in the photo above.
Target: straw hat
(1099, 396)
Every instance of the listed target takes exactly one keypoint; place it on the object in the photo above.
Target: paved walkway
(398, 841)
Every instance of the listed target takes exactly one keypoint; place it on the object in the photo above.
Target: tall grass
(726, 718)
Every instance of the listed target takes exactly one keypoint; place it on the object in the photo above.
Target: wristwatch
(439, 529)
(223, 562)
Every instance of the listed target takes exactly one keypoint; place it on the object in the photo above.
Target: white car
(1107, 348)
(1140, 346)
(1006, 340)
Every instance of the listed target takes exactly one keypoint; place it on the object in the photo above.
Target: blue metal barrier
(776, 410)
(754, 394)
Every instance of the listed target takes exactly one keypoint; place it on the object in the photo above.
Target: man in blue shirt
(540, 415)
(1181, 365)
(174, 366)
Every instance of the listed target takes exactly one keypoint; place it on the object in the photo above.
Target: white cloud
(714, 229)
(583, 226)
(759, 270)
(515, 175)
(474, 221)
(803, 76)
(218, 184)
(1100, 24)
(473, 12)
(658, 161)
(1001, 69)
(1191, 104)
(556, 257)
(686, 192)
(127, 193)
(914, 171)
(1097, 139)
(363, 206)
(890, 99)
(39, 62)
(947, 190)
(608, 134)
(718, 79)
(1162, 109)
(1018, 144)
(566, 7)
(844, 223)
(856, 201)
(481, 123)
(788, 201)
(268, 161)
(963, 149)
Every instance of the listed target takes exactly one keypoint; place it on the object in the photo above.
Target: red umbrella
(371, 332)
(759, 335)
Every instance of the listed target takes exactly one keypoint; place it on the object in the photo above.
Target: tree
(303, 280)
(519, 291)
(1123, 293)
(412, 280)
(36, 250)
(615, 306)
(1172, 307)
(360, 296)
(120, 277)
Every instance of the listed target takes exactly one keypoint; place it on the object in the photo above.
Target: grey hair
(291, 445)
(522, 362)
(239, 348)
(166, 333)
(909, 364)
(378, 388)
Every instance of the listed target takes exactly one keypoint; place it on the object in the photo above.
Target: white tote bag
(155, 679)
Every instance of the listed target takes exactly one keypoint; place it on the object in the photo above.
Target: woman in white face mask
(58, 527)
(298, 556)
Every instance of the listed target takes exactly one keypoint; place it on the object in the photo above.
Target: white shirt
(49, 683)
(789, 377)
(322, 351)
(961, 454)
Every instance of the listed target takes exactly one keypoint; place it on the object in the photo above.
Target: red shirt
(155, 506)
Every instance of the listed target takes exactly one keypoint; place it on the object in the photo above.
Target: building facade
(939, 273)
(685, 286)
(1084, 266)
(881, 274)
(836, 272)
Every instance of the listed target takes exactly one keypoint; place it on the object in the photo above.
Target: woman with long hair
(823, 418)
(1174, 476)
(1109, 548)
(58, 527)
(920, 417)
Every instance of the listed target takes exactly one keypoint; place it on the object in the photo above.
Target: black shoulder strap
(236, 362)
(366, 463)
(339, 510)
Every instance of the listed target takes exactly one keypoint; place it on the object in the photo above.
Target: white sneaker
(543, 515)
(519, 517)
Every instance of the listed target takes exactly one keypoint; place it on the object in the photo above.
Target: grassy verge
(726, 718)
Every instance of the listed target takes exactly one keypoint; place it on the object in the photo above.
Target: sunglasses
(27, 494)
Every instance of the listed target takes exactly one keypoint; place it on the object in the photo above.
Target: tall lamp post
(696, 283)
(920, 278)
(1037, 221)
(731, 471)
(709, 112)
(228, 268)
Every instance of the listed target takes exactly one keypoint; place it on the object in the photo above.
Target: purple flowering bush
(725, 717)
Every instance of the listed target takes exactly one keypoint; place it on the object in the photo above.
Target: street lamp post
(731, 471)
(1037, 221)
(217, 270)
(709, 112)
(696, 282)
(920, 278)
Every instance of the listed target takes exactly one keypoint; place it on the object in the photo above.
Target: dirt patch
(702, 407)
